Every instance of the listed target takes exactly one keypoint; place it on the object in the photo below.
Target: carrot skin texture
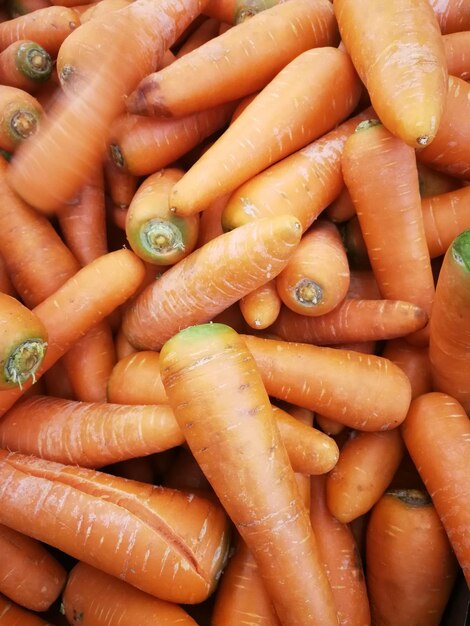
(247, 147)
(136, 379)
(261, 307)
(400, 58)
(452, 15)
(247, 257)
(457, 49)
(275, 526)
(445, 216)
(437, 435)
(120, 526)
(407, 590)
(414, 361)
(14, 615)
(103, 600)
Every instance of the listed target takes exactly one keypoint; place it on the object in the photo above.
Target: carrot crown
(461, 249)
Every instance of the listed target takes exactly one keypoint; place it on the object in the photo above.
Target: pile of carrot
(234, 312)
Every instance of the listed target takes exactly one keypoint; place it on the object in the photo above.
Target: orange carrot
(20, 117)
(356, 247)
(94, 9)
(13, 615)
(153, 232)
(237, 69)
(57, 382)
(273, 126)
(329, 426)
(236, 11)
(433, 183)
(205, 32)
(457, 49)
(316, 278)
(210, 225)
(210, 279)
(410, 565)
(136, 379)
(445, 216)
(341, 209)
(362, 285)
(21, 7)
(122, 348)
(25, 64)
(6, 286)
(93, 598)
(452, 15)
(274, 524)
(120, 185)
(261, 307)
(400, 59)
(150, 537)
(414, 361)
(437, 435)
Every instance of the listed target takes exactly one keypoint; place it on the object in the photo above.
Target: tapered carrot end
(461, 250)
(139, 102)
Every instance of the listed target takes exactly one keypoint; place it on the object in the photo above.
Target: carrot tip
(24, 361)
(423, 140)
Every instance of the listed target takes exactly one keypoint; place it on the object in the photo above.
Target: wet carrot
(25, 64)
(261, 307)
(20, 117)
(414, 361)
(13, 615)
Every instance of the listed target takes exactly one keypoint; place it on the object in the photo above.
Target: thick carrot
(168, 543)
(142, 145)
(302, 184)
(410, 565)
(437, 435)
(295, 108)
(229, 68)
(366, 466)
(240, 451)
(414, 361)
(457, 49)
(366, 392)
(452, 15)
(340, 557)
(20, 117)
(400, 59)
(316, 278)
(93, 598)
(136, 379)
(352, 320)
(445, 216)
(210, 279)
(261, 307)
(450, 152)
(154, 233)
(380, 169)
(25, 64)
(13, 615)
(29, 574)
(71, 144)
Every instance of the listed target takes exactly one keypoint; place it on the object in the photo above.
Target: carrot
(449, 345)
(120, 185)
(365, 392)
(136, 379)
(71, 144)
(356, 248)
(433, 183)
(25, 64)
(274, 524)
(210, 225)
(362, 285)
(13, 615)
(141, 145)
(205, 32)
(375, 165)
(153, 232)
(249, 145)
(449, 152)
(316, 278)
(414, 361)
(329, 426)
(436, 434)
(457, 49)
(93, 598)
(150, 537)
(184, 473)
(452, 15)
(302, 184)
(48, 27)
(65, 322)
(261, 307)
(400, 59)
(236, 11)
(410, 565)
(95, 9)
(228, 68)
(342, 208)
(20, 117)
(241, 596)
(340, 557)
(6, 286)
(210, 279)
(21, 7)
(352, 320)
(57, 382)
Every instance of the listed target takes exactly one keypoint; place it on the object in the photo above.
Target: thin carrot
(437, 435)
(379, 168)
(366, 392)
(400, 59)
(300, 110)
(341, 209)
(414, 361)
(20, 117)
(25, 64)
(142, 145)
(452, 15)
(410, 565)
(210, 279)
(316, 278)
(261, 307)
(275, 523)
(329, 426)
(228, 68)
(120, 185)
(136, 379)
(457, 49)
(13, 615)
(93, 598)
(167, 543)
(210, 225)
(205, 32)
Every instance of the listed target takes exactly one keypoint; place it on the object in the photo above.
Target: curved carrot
(316, 278)
(20, 117)
(153, 232)
(93, 598)
(400, 59)
(342, 208)
(414, 361)
(375, 164)
(457, 49)
(25, 64)
(452, 15)
(228, 68)
(410, 565)
(340, 557)
(437, 435)
(13, 615)
(274, 524)
(261, 307)
(249, 145)
(210, 279)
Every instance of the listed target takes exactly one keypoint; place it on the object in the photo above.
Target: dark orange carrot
(437, 435)
(341, 209)
(362, 285)
(329, 426)
(433, 183)
(236, 11)
(6, 286)
(414, 361)
(120, 185)
(410, 565)
(210, 279)
(237, 69)
(210, 225)
(366, 392)
(452, 15)
(261, 307)
(25, 64)
(366, 466)
(445, 216)
(355, 245)
(400, 59)
(56, 382)
(274, 524)
(21, 7)
(457, 49)
(13, 615)
(20, 117)
(136, 379)
(184, 472)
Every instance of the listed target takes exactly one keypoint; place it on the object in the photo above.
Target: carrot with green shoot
(20, 117)
(25, 65)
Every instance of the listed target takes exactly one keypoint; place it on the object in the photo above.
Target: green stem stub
(23, 124)
(308, 293)
(24, 361)
(116, 156)
(161, 238)
(366, 124)
(461, 249)
(33, 61)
